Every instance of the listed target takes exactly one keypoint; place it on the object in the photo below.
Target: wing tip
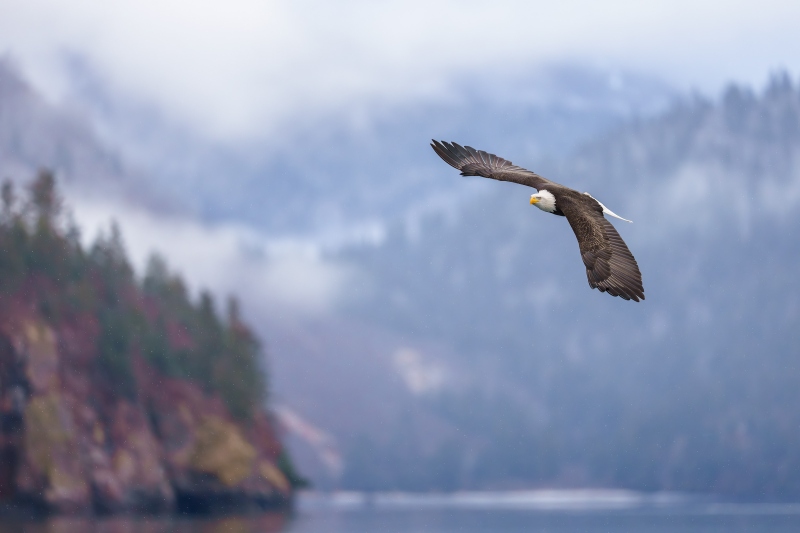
(626, 292)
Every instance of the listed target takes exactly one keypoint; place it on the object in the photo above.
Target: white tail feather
(606, 210)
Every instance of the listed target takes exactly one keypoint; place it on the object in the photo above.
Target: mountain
(338, 176)
(35, 133)
(467, 350)
(693, 389)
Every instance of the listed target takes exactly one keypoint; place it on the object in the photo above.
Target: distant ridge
(695, 393)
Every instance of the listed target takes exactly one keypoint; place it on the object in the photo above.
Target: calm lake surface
(404, 514)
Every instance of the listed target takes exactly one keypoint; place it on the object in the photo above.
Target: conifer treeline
(42, 258)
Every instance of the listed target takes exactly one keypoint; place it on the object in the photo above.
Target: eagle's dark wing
(610, 266)
(472, 162)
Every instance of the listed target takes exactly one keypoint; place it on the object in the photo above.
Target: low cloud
(246, 66)
(268, 275)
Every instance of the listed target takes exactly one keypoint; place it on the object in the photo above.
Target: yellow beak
(534, 200)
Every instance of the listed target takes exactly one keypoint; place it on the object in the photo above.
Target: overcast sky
(229, 68)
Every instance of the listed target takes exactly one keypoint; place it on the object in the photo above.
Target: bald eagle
(610, 266)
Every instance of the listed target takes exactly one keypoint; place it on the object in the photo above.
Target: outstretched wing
(472, 162)
(610, 266)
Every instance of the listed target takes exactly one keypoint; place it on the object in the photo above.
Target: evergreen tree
(45, 202)
(238, 375)
(41, 246)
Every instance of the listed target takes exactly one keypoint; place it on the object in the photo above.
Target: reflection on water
(265, 523)
(432, 521)
(520, 512)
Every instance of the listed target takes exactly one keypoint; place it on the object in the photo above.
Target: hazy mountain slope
(324, 176)
(693, 389)
(357, 389)
(35, 133)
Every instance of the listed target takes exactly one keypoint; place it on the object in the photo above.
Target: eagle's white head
(544, 200)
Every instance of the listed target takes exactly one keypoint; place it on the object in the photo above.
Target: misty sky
(241, 67)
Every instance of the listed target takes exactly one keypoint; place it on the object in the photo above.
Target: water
(430, 521)
(542, 513)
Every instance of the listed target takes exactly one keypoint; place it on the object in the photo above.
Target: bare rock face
(69, 444)
(211, 459)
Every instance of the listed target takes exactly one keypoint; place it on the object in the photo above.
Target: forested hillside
(121, 393)
(694, 389)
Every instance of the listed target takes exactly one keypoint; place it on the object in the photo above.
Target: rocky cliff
(112, 400)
